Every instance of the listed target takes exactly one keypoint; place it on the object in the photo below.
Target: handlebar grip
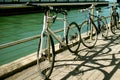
(64, 12)
(98, 9)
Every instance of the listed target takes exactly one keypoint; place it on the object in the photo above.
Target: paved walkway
(99, 63)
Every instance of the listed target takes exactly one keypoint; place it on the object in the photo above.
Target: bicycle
(46, 48)
(114, 20)
(89, 30)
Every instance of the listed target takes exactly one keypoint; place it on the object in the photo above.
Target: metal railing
(2, 46)
(10, 44)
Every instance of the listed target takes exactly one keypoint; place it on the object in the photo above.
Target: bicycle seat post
(113, 7)
(92, 11)
(65, 24)
(48, 21)
(97, 13)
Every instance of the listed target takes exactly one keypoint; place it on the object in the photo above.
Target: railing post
(92, 17)
(92, 11)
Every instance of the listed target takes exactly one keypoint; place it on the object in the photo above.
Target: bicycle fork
(64, 32)
(42, 34)
(65, 27)
(92, 29)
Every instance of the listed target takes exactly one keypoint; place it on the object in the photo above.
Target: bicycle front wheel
(104, 27)
(115, 25)
(73, 37)
(45, 57)
(88, 34)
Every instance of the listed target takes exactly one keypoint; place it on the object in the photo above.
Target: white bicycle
(46, 48)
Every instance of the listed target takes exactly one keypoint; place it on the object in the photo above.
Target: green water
(17, 27)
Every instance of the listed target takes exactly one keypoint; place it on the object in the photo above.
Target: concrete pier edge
(22, 63)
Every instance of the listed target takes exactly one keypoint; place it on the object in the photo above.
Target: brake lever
(54, 18)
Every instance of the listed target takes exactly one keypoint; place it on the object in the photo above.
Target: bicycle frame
(93, 23)
(47, 30)
(114, 19)
(113, 11)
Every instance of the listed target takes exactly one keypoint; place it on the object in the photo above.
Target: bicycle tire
(85, 32)
(114, 22)
(73, 37)
(104, 27)
(43, 60)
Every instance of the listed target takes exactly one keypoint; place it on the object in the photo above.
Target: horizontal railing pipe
(2, 46)
(23, 40)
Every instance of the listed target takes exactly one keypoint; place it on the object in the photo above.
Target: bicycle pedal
(73, 36)
(61, 46)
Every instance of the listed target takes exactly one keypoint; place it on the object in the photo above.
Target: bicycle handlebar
(83, 10)
(89, 8)
(46, 8)
(98, 9)
(64, 12)
(56, 10)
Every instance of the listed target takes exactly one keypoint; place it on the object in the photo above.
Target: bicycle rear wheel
(73, 37)
(45, 57)
(104, 27)
(115, 25)
(89, 34)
